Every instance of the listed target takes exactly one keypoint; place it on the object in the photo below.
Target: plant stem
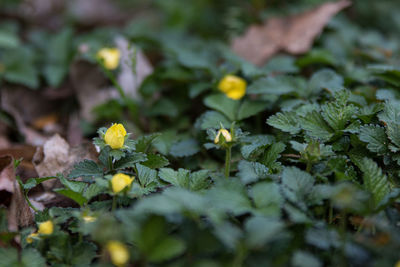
(114, 203)
(330, 213)
(227, 161)
(309, 166)
(110, 163)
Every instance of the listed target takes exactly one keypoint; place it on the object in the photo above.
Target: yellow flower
(110, 57)
(234, 87)
(397, 264)
(118, 252)
(115, 136)
(46, 228)
(225, 133)
(88, 219)
(119, 181)
(29, 238)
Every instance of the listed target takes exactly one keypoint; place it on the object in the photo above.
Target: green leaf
(33, 182)
(261, 230)
(144, 142)
(305, 259)
(82, 254)
(166, 249)
(32, 258)
(375, 137)
(391, 117)
(250, 108)
(20, 67)
(92, 191)
(229, 196)
(278, 85)
(76, 186)
(297, 185)
(178, 178)
(338, 112)
(8, 39)
(255, 143)
(250, 172)
(185, 148)
(285, 121)
(326, 79)
(272, 154)
(223, 104)
(155, 161)
(212, 119)
(267, 198)
(199, 180)
(130, 161)
(86, 168)
(146, 175)
(75, 196)
(315, 126)
(374, 180)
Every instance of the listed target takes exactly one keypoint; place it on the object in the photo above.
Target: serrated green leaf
(146, 175)
(86, 168)
(285, 121)
(32, 182)
(143, 143)
(316, 127)
(155, 161)
(223, 104)
(375, 137)
(272, 154)
(255, 143)
(250, 172)
(178, 178)
(297, 185)
(375, 181)
(199, 180)
(130, 161)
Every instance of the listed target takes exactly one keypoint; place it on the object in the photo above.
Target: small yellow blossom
(397, 264)
(225, 133)
(234, 87)
(46, 228)
(115, 136)
(89, 219)
(29, 238)
(110, 57)
(119, 181)
(118, 252)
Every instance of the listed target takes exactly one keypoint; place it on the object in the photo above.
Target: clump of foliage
(301, 170)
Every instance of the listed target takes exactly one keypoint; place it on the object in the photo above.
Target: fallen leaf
(19, 213)
(294, 34)
(57, 156)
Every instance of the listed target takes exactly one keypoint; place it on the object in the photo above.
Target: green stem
(227, 161)
(110, 163)
(330, 213)
(114, 203)
(121, 92)
(309, 166)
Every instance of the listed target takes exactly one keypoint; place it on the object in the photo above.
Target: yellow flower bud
(89, 219)
(110, 57)
(118, 252)
(30, 238)
(115, 136)
(397, 264)
(234, 87)
(46, 228)
(120, 181)
(225, 133)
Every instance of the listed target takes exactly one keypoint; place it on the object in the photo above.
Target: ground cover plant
(216, 156)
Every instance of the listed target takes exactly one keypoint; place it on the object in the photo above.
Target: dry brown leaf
(19, 214)
(294, 34)
(57, 156)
